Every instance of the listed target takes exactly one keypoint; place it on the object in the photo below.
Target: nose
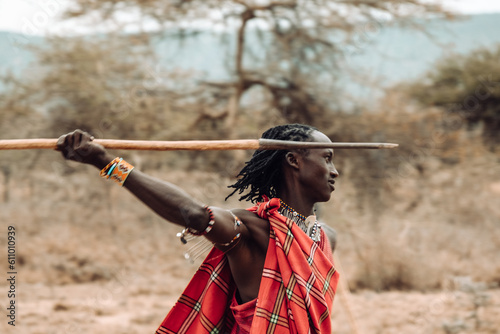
(333, 172)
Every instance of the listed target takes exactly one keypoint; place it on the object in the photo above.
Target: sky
(37, 17)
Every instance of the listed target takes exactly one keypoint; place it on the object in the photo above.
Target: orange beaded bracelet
(117, 170)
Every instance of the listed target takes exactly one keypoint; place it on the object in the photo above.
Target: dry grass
(427, 225)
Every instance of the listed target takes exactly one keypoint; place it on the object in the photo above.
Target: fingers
(74, 145)
(77, 138)
(61, 143)
(81, 139)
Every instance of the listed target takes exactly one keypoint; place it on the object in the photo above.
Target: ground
(91, 259)
(133, 303)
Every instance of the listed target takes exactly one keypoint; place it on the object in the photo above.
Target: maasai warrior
(271, 268)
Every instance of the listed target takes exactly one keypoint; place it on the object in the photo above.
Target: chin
(325, 198)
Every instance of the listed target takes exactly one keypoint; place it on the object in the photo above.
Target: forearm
(164, 198)
(167, 200)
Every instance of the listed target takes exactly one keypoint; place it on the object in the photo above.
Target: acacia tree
(299, 60)
(288, 51)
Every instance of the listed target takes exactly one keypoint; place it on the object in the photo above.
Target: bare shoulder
(257, 227)
(250, 219)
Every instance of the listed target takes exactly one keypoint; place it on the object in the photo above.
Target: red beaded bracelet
(211, 223)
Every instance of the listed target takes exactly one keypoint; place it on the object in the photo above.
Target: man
(271, 267)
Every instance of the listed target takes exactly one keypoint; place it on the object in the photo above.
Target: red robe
(296, 292)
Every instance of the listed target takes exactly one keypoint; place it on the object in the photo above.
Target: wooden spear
(202, 145)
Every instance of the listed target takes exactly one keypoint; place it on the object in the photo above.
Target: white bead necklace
(309, 225)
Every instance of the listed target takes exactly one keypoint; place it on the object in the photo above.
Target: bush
(467, 86)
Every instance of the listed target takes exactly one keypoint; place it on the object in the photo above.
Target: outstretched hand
(79, 146)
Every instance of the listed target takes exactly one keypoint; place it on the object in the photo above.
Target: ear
(291, 159)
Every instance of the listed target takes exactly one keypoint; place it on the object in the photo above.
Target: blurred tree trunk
(234, 101)
(6, 171)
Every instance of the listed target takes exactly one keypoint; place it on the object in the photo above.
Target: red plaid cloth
(296, 292)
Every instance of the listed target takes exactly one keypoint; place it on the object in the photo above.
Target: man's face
(317, 171)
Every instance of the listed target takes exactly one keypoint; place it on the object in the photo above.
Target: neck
(300, 218)
(299, 204)
(291, 191)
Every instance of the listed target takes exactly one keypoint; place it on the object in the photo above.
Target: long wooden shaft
(202, 145)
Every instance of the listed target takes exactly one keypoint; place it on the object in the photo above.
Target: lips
(332, 184)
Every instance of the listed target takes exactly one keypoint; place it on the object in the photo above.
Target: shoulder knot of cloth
(296, 291)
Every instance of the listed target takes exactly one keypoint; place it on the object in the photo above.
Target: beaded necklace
(309, 225)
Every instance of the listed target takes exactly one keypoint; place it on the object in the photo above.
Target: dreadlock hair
(263, 172)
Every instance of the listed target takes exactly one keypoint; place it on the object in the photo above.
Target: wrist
(117, 170)
(102, 160)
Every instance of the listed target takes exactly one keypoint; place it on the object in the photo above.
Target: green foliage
(467, 86)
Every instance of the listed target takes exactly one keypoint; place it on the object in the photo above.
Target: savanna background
(418, 226)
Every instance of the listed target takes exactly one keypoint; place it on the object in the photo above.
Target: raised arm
(166, 199)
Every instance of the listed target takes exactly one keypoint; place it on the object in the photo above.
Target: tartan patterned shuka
(295, 296)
